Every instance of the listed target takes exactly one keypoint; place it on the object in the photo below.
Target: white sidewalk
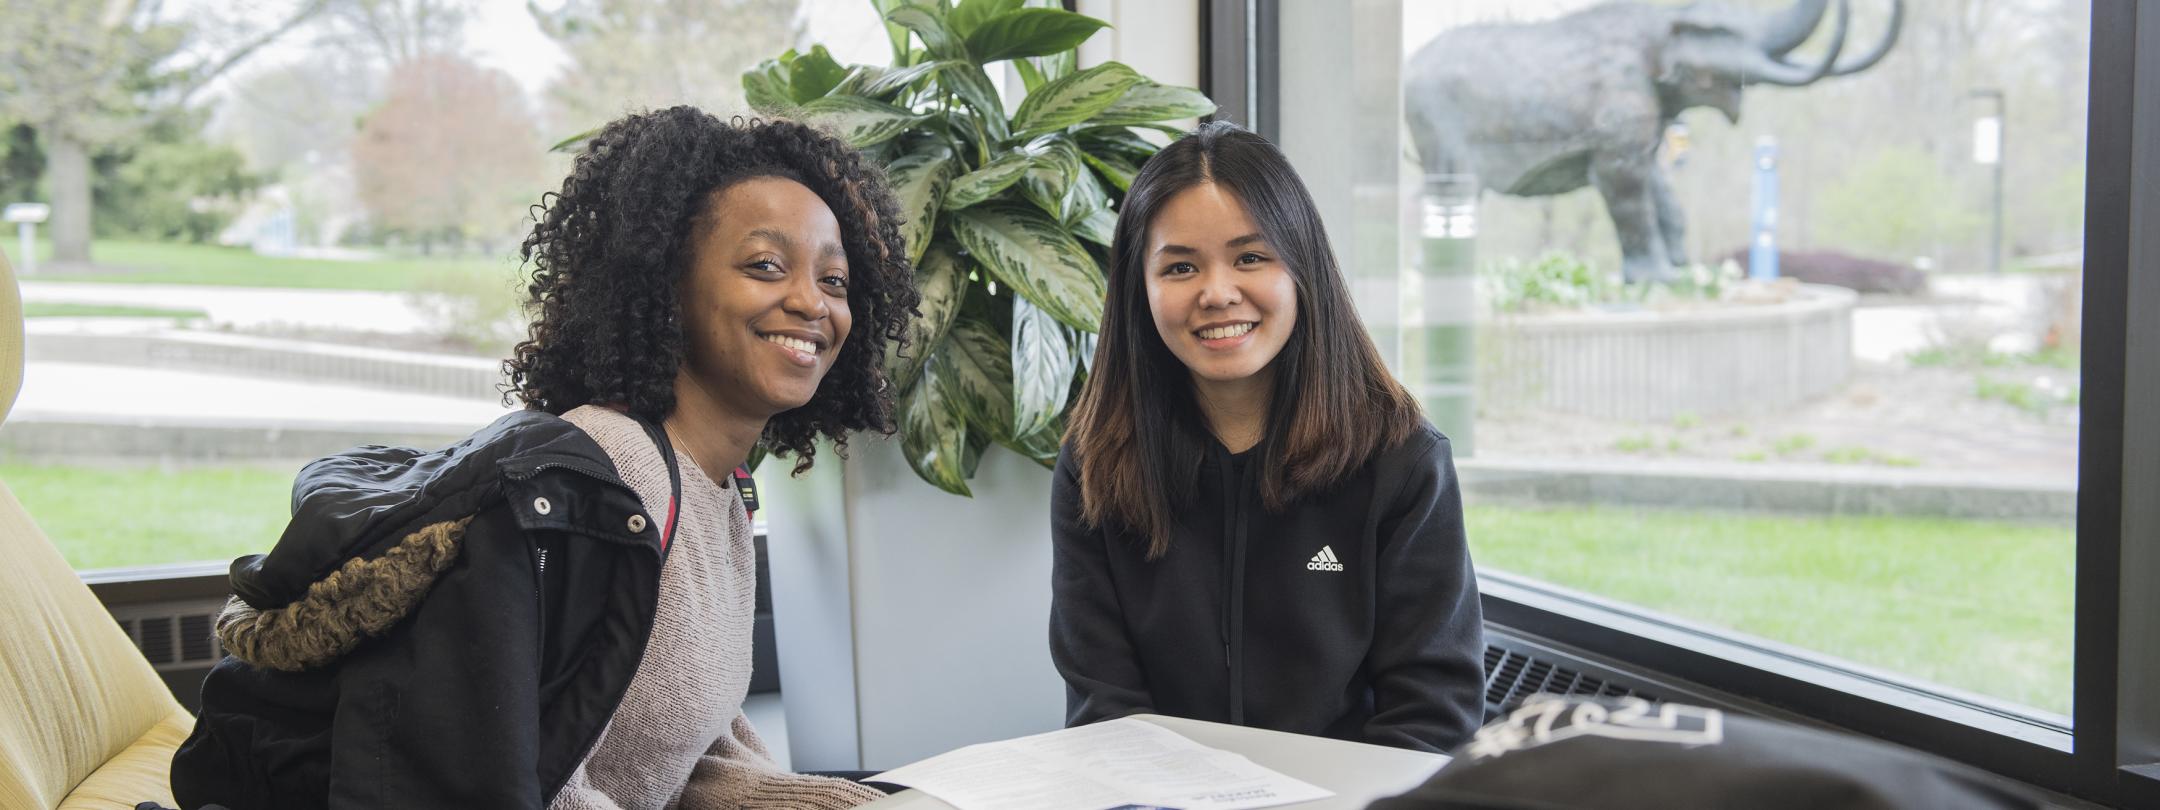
(247, 307)
(77, 392)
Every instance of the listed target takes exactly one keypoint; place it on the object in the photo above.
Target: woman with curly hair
(556, 611)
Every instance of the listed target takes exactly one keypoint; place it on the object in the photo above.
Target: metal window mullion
(2137, 642)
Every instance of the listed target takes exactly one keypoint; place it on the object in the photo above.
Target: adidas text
(1324, 561)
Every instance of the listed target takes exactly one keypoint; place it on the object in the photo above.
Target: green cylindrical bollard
(1439, 344)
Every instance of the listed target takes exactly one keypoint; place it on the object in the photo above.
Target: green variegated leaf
(1099, 227)
(576, 143)
(858, 76)
(1029, 32)
(814, 74)
(941, 279)
(1042, 364)
(958, 123)
(929, 25)
(1057, 165)
(1041, 446)
(918, 179)
(884, 83)
(974, 365)
(970, 14)
(859, 121)
(1083, 197)
(984, 183)
(1030, 253)
(1113, 168)
(1073, 99)
(977, 442)
(1118, 141)
(1045, 188)
(1084, 348)
(1058, 151)
(1151, 103)
(933, 436)
(1173, 133)
(967, 81)
(765, 87)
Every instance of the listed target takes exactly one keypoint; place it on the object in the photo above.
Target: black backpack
(1633, 755)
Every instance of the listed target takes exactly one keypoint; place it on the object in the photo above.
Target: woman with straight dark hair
(1253, 523)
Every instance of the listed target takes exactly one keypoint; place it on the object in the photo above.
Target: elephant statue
(1537, 109)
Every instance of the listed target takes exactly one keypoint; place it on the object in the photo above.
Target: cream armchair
(84, 721)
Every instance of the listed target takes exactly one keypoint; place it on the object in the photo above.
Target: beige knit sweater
(680, 739)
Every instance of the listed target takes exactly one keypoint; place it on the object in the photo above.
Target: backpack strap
(674, 474)
(748, 488)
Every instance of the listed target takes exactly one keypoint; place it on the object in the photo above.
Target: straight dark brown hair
(1137, 431)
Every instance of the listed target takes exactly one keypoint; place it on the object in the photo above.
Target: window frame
(1238, 62)
(2110, 752)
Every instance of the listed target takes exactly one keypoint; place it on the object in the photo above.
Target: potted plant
(910, 622)
(1009, 212)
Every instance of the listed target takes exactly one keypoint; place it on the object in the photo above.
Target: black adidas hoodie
(1353, 615)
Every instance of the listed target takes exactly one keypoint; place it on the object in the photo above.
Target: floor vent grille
(1512, 677)
(173, 635)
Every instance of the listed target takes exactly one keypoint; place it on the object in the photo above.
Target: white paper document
(1113, 764)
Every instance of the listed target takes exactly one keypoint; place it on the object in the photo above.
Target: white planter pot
(909, 621)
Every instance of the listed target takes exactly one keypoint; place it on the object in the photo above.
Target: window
(1775, 377)
(293, 229)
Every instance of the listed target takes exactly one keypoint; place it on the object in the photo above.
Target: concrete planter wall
(332, 363)
(1650, 365)
(909, 621)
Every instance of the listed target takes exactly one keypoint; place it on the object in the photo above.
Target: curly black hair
(609, 250)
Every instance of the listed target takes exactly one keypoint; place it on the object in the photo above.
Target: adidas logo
(1324, 561)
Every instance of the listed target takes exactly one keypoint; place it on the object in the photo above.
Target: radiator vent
(1512, 677)
(173, 635)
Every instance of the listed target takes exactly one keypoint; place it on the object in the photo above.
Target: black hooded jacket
(345, 688)
(1352, 615)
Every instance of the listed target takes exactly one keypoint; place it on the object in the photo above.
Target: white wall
(1159, 38)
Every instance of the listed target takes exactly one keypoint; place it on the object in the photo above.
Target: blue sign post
(1762, 246)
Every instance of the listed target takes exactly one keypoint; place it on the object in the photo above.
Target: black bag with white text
(1633, 755)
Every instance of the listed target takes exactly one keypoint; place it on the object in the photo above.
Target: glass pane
(1725, 335)
(313, 249)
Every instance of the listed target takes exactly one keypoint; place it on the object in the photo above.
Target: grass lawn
(48, 309)
(1981, 606)
(181, 263)
(103, 517)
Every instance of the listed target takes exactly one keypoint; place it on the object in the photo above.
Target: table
(1358, 773)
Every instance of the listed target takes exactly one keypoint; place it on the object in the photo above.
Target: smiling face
(765, 301)
(1221, 296)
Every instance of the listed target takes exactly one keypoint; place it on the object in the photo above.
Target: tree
(166, 182)
(634, 54)
(87, 74)
(450, 154)
(401, 31)
(1897, 203)
(297, 114)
